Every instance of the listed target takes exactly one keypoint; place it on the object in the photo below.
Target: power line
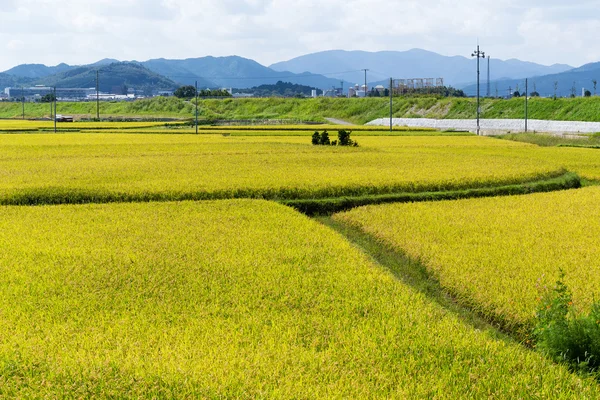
(479, 54)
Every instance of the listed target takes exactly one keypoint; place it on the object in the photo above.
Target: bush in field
(325, 139)
(566, 335)
(316, 138)
(343, 139)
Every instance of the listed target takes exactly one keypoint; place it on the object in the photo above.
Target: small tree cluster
(322, 139)
(188, 92)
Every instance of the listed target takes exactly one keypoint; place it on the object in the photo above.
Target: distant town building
(37, 92)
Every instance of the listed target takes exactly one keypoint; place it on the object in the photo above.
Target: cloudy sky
(83, 31)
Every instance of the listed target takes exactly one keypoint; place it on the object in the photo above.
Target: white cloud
(77, 32)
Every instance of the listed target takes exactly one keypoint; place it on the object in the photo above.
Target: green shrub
(566, 335)
(316, 139)
(325, 139)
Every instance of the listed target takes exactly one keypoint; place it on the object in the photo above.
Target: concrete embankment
(494, 126)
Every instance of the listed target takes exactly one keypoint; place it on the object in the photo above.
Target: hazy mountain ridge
(322, 70)
(230, 72)
(415, 63)
(577, 78)
(36, 71)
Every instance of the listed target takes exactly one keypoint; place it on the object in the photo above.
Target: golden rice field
(498, 254)
(33, 125)
(231, 299)
(129, 167)
(8, 126)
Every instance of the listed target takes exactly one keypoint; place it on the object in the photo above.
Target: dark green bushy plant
(325, 139)
(566, 335)
(343, 139)
(316, 139)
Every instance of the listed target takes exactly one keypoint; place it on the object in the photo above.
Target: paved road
(336, 121)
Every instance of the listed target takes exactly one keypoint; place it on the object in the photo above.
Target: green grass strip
(329, 206)
(414, 274)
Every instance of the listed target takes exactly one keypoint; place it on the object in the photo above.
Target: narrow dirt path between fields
(336, 121)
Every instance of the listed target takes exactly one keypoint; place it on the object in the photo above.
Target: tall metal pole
(479, 54)
(526, 100)
(55, 100)
(488, 78)
(391, 104)
(196, 107)
(98, 95)
(23, 100)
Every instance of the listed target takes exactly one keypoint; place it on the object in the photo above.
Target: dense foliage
(281, 89)
(564, 333)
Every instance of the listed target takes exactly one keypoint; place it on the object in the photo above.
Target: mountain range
(457, 71)
(321, 70)
(562, 85)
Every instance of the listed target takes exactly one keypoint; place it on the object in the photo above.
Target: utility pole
(479, 54)
(196, 107)
(55, 109)
(23, 100)
(366, 87)
(391, 104)
(526, 101)
(488, 79)
(98, 95)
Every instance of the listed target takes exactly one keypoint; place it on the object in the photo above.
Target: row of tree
(189, 92)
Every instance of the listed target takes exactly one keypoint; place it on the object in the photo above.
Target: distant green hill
(7, 80)
(113, 75)
(37, 71)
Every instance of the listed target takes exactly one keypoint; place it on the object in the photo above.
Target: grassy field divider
(328, 206)
(414, 274)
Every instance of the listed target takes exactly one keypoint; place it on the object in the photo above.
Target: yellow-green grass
(294, 132)
(187, 127)
(38, 168)
(231, 299)
(497, 254)
(314, 127)
(585, 162)
(32, 126)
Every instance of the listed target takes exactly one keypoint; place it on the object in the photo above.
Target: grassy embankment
(358, 111)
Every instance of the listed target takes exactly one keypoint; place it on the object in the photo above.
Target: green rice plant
(231, 299)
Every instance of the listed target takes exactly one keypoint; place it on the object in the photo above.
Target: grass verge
(567, 180)
(414, 274)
